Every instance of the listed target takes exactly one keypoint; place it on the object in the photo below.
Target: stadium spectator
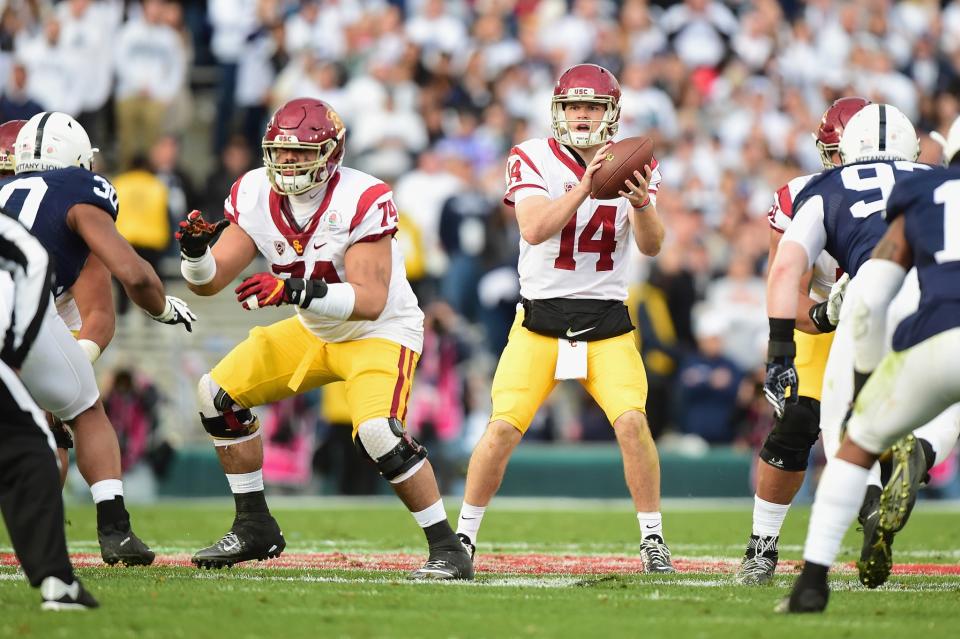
(148, 80)
(53, 71)
(16, 103)
(165, 164)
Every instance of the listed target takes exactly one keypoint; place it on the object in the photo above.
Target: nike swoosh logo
(653, 526)
(319, 246)
(468, 518)
(575, 333)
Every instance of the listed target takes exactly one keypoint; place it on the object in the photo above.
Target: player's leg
(523, 380)
(379, 375)
(30, 499)
(898, 397)
(256, 372)
(618, 382)
(783, 461)
(61, 379)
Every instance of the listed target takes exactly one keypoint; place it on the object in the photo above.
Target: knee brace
(396, 454)
(225, 420)
(788, 445)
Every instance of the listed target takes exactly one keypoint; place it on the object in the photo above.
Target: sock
(112, 513)
(651, 525)
(430, 515)
(247, 489)
(768, 517)
(469, 521)
(839, 496)
(106, 489)
(929, 454)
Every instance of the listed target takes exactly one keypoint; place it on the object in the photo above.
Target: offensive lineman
(573, 263)
(327, 232)
(908, 386)
(72, 210)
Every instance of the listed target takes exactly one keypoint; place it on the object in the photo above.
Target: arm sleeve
(807, 228)
(523, 176)
(31, 269)
(376, 216)
(877, 283)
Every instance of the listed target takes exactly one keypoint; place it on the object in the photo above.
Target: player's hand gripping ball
(619, 163)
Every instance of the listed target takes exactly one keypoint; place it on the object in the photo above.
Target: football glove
(781, 375)
(176, 312)
(835, 300)
(196, 234)
(266, 289)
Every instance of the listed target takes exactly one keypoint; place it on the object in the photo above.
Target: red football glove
(262, 289)
(196, 234)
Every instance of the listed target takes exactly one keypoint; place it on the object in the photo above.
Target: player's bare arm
(135, 274)
(804, 302)
(232, 253)
(540, 218)
(644, 220)
(368, 266)
(93, 293)
(893, 245)
(783, 280)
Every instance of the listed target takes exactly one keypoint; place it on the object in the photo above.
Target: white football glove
(176, 312)
(835, 300)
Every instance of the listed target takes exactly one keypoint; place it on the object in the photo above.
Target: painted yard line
(528, 564)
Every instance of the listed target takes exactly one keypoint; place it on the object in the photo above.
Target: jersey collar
(284, 221)
(568, 160)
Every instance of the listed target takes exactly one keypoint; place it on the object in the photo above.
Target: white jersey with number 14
(588, 258)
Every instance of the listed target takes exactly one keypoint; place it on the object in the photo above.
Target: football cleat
(250, 537)
(57, 595)
(445, 565)
(810, 591)
(876, 556)
(119, 545)
(900, 494)
(655, 555)
(467, 545)
(759, 561)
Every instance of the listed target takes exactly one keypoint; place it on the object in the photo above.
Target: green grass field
(546, 569)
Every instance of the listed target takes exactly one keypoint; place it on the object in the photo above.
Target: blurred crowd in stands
(435, 92)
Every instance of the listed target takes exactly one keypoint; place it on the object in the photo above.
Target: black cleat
(445, 565)
(876, 555)
(56, 595)
(467, 545)
(759, 561)
(810, 592)
(655, 555)
(250, 537)
(900, 494)
(119, 545)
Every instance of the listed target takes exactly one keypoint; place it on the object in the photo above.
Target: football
(622, 159)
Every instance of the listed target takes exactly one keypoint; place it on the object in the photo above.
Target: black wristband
(301, 292)
(818, 315)
(781, 330)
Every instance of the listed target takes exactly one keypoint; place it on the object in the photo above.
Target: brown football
(622, 159)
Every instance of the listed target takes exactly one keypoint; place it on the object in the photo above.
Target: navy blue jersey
(852, 197)
(41, 201)
(930, 206)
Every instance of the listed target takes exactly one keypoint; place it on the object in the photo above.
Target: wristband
(336, 304)
(818, 315)
(198, 270)
(647, 202)
(781, 343)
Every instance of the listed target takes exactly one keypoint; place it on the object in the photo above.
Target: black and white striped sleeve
(31, 270)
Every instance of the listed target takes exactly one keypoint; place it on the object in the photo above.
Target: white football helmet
(951, 143)
(52, 140)
(879, 132)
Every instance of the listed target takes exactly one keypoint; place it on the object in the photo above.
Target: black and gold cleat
(900, 493)
(252, 536)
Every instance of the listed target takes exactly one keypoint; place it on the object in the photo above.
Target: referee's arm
(31, 269)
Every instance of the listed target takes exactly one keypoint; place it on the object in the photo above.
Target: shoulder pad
(246, 191)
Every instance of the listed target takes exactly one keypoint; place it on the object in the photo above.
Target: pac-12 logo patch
(280, 246)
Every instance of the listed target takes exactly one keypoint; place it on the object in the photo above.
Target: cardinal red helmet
(312, 128)
(8, 137)
(831, 127)
(585, 83)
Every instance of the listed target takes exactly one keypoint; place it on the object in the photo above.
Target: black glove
(818, 314)
(781, 373)
(196, 234)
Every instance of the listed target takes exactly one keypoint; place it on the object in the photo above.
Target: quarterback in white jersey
(573, 323)
(328, 234)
